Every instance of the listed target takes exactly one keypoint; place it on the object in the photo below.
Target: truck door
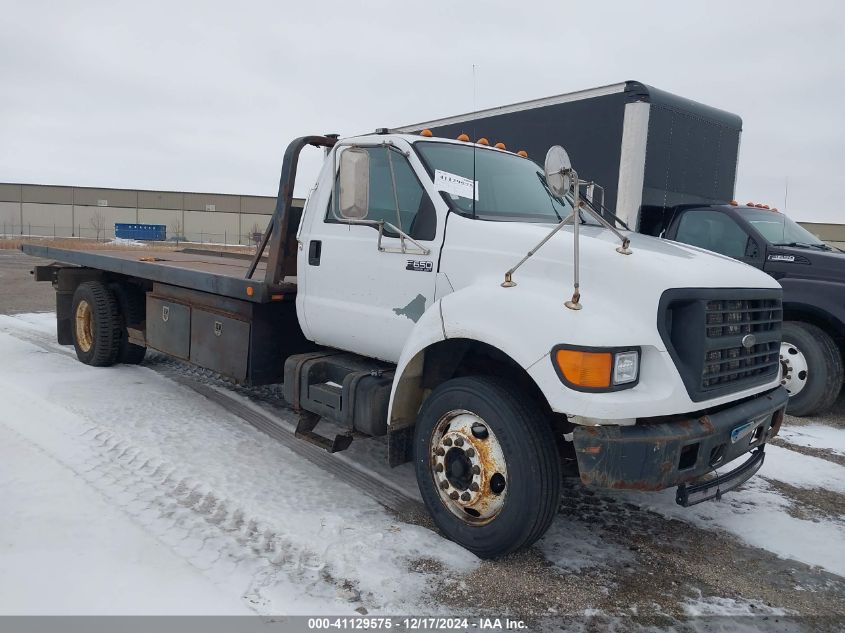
(716, 231)
(359, 298)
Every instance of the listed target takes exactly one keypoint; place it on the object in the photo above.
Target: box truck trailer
(648, 149)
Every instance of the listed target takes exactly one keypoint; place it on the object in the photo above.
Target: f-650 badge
(420, 265)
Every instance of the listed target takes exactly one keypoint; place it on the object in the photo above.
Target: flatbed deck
(222, 274)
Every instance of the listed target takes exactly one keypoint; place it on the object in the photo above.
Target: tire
(508, 509)
(812, 368)
(133, 312)
(96, 324)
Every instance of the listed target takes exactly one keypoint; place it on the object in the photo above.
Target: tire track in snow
(212, 534)
(209, 532)
(386, 494)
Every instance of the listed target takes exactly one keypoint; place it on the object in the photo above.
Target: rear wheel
(487, 465)
(812, 368)
(97, 327)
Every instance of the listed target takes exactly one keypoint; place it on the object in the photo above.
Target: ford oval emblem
(749, 341)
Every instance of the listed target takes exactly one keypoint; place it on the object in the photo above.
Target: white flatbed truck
(426, 293)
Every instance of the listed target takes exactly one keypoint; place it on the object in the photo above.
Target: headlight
(597, 369)
(626, 367)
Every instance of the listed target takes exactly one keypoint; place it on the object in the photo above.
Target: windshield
(507, 188)
(779, 229)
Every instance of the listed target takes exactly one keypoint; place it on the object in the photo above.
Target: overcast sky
(204, 96)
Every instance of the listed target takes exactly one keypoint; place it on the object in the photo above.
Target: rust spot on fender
(707, 424)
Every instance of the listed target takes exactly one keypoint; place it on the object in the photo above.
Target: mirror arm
(395, 199)
(626, 242)
(380, 224)
(509, 282)
(402, 237)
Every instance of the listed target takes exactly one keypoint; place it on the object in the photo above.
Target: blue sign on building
(148, 232)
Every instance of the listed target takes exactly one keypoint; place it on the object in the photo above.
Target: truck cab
(812, 275)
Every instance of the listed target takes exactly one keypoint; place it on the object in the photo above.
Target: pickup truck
(812, 275)
(467, 304)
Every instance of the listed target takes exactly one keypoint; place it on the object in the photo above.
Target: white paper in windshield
(454, 184)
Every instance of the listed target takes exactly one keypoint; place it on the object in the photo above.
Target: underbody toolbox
(245, 341)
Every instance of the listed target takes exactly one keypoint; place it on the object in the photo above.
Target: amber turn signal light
(585, 369)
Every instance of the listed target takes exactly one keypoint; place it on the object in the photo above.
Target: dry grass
(78, 244)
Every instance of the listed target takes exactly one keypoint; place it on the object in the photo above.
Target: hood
(655, 263)
(620, 294)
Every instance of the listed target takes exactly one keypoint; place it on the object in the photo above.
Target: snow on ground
(125, 241)
(816, 436)
(214, 503)
(757, 513)
(702, 606)
(54, 525)
(571, 547)
(803, 471)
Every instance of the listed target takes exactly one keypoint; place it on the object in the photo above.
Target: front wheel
(487, 465)
(812, 368)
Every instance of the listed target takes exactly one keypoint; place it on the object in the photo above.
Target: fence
(107, 234)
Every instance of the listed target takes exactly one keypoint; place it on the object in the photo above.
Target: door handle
(315, 249)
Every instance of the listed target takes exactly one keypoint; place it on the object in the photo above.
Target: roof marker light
(483, 141)
(733, 203)
(500, 145)
(522, 153)
(426, 132)
(463, 137)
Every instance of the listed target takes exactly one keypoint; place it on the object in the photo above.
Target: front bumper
(660, 454)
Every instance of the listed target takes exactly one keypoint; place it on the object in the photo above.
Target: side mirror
(558, 170)
(354, 177)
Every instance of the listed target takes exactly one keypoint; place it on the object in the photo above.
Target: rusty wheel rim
(84, 326)
(468, 466)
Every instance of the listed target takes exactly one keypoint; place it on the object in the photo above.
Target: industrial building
(89, 212)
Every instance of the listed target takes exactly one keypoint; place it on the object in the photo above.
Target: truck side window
(714, 231)
(417, 216)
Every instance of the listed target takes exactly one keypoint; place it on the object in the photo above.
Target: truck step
(305, 431)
